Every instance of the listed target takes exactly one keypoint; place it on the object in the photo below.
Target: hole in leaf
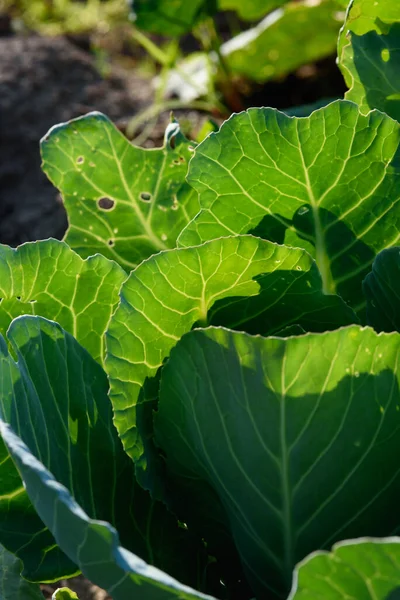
(106, 203)
(385, 55)
(18, 297)
(172, 142)
(145, 196)
(111, 242)
(80, 160)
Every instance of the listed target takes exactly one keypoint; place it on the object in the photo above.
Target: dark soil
(44, 82)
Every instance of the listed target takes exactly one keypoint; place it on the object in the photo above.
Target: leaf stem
(155, 52)
(156, 109)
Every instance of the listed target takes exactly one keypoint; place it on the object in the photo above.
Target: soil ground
(44, 82)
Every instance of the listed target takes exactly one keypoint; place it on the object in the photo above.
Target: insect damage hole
(80, 160)
(106, 203)
(145, 196)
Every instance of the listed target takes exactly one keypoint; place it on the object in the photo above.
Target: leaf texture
(243, 282)
(55, 399)
(382, 291)
(355, 569)
(122, 201)
(298, 438)
(328, 183)
(94, 545)
(49, 279)
(12, 585)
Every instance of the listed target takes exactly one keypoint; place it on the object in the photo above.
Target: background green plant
(191, 417)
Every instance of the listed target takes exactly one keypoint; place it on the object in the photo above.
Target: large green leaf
(12, 585)
(362, 569)
(55, 398)
(49, 279)
(299, 33)
(170, 17)
(92, 544)
(122, 201)
(298, 438)
(251, 9)
(326, 182)
(382, 291)
(370, 15)
(242, 282)
(369, 55)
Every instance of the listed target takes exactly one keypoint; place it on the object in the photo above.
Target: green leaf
(252, 9)
(64, 594)
(124, 202)
(170, 17)
(297, 34)
(48, 279)
(382, 291)
(368, 15)
(243, 282)
(12, 585)
(355, 569)
(272, 428)
(328, 182)
(93, 545)
(55, 398)
(369, 55)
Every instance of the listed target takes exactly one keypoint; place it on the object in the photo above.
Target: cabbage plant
(200, 384)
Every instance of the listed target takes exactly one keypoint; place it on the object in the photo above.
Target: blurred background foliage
(56, 17)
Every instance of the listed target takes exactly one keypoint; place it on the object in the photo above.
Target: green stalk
(155, 52)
